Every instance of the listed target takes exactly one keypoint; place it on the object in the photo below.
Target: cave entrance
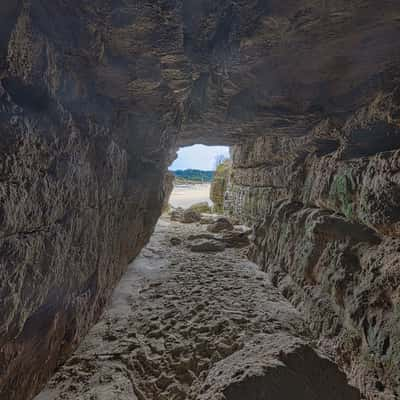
(194, 169)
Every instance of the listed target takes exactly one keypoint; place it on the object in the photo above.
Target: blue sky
(198, 157)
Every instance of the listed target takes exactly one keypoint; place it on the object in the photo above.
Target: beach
(186, 195)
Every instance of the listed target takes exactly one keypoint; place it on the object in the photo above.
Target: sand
(187, 195)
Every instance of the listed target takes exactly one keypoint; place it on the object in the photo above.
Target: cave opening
(194, 170)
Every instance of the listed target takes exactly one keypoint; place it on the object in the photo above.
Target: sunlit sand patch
(187, 195)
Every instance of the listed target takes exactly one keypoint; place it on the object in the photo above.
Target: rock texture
(219, 186)
(96, 95)
(230, 239)
(279, 68)
(220, 225)
(86, 122)
(186, 326)
(325, 209)
(168, 187)
(189, 216)
(206, 246)
(278, 367)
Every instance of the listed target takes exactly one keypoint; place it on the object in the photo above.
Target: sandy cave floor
(174, 315)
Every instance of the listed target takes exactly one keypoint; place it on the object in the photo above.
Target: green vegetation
(193, 175)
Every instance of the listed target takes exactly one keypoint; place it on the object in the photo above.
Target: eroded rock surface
(84, 147)
(220, 225)
(190, 326)
(279, 367)
(206, 246)
(326, 221)
(219, 186)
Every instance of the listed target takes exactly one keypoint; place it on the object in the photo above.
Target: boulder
(221, 224)
(279, 367)
(175, 241)
(202, 207)
(177, 214)
(235, 239)
(190, 216)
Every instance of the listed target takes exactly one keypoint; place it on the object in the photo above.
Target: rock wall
(169, 179)
(86, 125)
(326, 214)
(219, 185)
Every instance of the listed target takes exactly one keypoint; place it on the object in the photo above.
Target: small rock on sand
(188, 216)
(175, 241)
(191, 216)
(221, 224)
(177, 214)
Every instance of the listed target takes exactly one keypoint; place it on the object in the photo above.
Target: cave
(96, 98)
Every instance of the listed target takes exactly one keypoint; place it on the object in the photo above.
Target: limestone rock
(219, 185)
(279, 367)
(326, 230)
(190, 216)
(221, 224)
(82, 108)
(202, 208)
(168, 186)
(235, 239)
(175, 241)
(176, 214)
